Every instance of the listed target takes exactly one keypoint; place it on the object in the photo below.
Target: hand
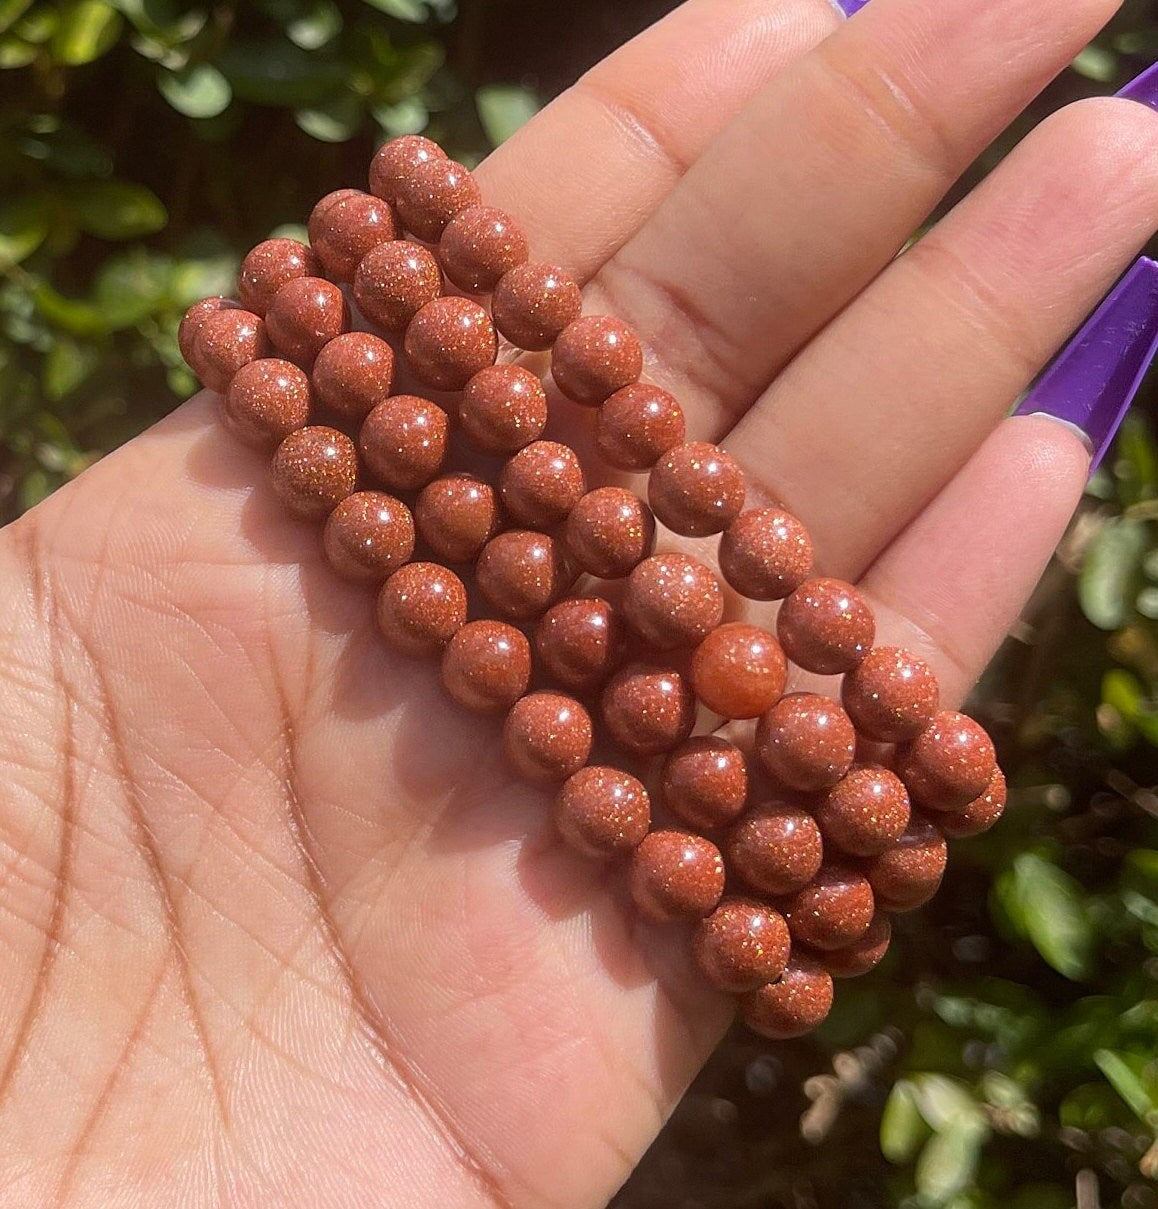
(278, 928)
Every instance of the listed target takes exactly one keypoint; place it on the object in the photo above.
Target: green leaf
(948, 1163)
(503, 108)
(404, 10)
(1047, 908)
(129, 287)
(903, 1128)
(1096, 63)
(276, 72)
(334, 122)
(24, 225)
(67, 365)
(1128, 1075)
(1109, 578)
(79, 318)
(16, 53)
(319, 24)
(11, 11)
(405, 117)
(87, 29)
(198, 91)
(117, 209)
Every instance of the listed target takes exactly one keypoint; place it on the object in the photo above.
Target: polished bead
(313, 470)
(980, 814)
(267, 267)
(226, 340)
(433, 192)
(403, 441)
(891, 696)
(394, 281)
(765, 554)
(479, 246)
(672, 600)
(421, 607)
(696, 489)
(676, 875)
(776, 848)
(369, 535)
(739, 670)
(949, 763)
(907, 874)
(637, 425)
(705, 782)
(833, 910)
(352, 374)
(457, 514)
(534, 303)
(449, 341)
(648, 710)
(609, 532)
(793, 1005)
(395, 161)
(865, 811)
(851, 961)
(266, 401)
(595, 356)
(541, 484)
(194, 317)
(486, 666)
(602, 811)
(580, 642)
(825, 626)
(304, 316)
(503, 408)
(806, 742)
(343, 230)
(742, 945)
(522, 572)
(547, 737)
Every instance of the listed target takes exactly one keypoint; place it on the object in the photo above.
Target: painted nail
(1093, 380)
(848, 7)
(1143, 88)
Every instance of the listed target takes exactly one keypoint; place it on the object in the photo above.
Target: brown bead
(421, 607)
(503, 409)
(865, 811)
(457, 515)
(305, 315)
(353, 373)
(833, 910)
(313, 470)
(892, 696)
(739, 670)
(266, 401)
(369, 535)
(541, 484)
(806, 742)
(403, 441)
(676, 875)
(648, 710)
(673, 600)
(705, 782)
(776, 848)
(602, 811)
(638, 425)
(194, 317)
(313, 223)
(825, 626)
(851, 961)
(595, 356)
(742, 945)
(487, 666)
(580, 642)
(610, 531)
(344, 231)
(765, 554)
(949, 763)
(394, 281)
(534, 303)
(394, 162)
(431, 193)
(793, 1005)
(267, 267)
(547, 737)
(479, 246)
(696, 489)
(226, 340)
(522, 573)
(980, 814)
(449, 341)
(907, 874)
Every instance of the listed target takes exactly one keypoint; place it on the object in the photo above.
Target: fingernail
(848, 7)
(1143, 88)
(1093, 380)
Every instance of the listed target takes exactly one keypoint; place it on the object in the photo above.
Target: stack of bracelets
(785, 888)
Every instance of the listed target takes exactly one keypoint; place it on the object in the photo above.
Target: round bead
(907, 874)
(602, 811)
(742, 945)
(313, 470)
(793, 1005)
(267, 267)
(449, 341)
(394, 162)
(194, 317)
(534, 303)
(765, 554)
(480, 245)
(457, 515)
(486, 666)
(825, 626)
(421, 607)
(739, 670)
(806, 742)
(369, 535)
(521, 573)
(541, 484)
(673, 600)
(949, 763)
(226, 340)
(980, 814)
(266, 401)
(648, 710)
(343, 230)
(304, 316)
(638, 425)
(595, 356)
(433, 192)
(503, 408)
(851, 961)
(547, 737)
(676, 875)
(394, 281)
(580, 642)
(610, 531)
(833, 910)
(892, 696)
(696, 489)
(705, 782)
(403, 441)
(352, 374)
(776, 848)
(865, 811)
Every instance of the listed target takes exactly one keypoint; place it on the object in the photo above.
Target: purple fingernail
(848, 7)
(1094, 379)
(1143, 88)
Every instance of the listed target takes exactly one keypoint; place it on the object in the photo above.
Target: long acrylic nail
(1094, 379)
(1143, 88)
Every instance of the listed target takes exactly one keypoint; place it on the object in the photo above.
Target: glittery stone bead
(457, 514)
(739, 670)
(602, 811)
(534, 303)
(266, 401)
(479, 246)
(521, 573)
(672, 600)
(833, 910)
(194, 317)
(806, 742)
(268, 266)
(541, 484)
(403, 441)
(949, 763)
(342, 231)
(226, 340)
(421, 607)
(547, 737)
(431, 193)
(892, 696)
(825, 626)
(487, 666)
(776, 848)
(580, 642)
(595, 356)
(793, 1005)
(705, 782)
(765, 554)
(609, 532)
(676, 875)
(851, 961)
(449, 341)
(865, 811)
(395, 161)
(369, 535)
(503, 409)
(696, 489)
(304, 316)
(648, 710)
(907, 874)
(980, 814)
(742, 945)
(394, 281)
(638, 425)
(352, 374)
(313, 470)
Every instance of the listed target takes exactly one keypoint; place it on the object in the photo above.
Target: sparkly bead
(352, 374)
(825, 626)
(534, 303)
(851, 961)
(266, 401)
(394, 281)
(705, 782)
(637, 426)
(776, 848)
(907, 874)
(487, 666)
(421, 607)
(580, 642)
(449, 341)
(742, 945)
(394, 161)
(696, 489)
(503, 408)
(403, 441)
(267, 267)
(313, 470)
(765, 554)
(369, 535)
(430, 194)
(793, 1005)
(304, 316)
(343, 231)
(479, 246)
(541, 484)
(676, 875)
(457, 515)
(739, 670)
(865, 811)
(521, 573)
(610, 531)
(194, 317)
(330, 199)
(547, 737)
(949, 763)
(892, 696)
(806, 742)
(673, 600)
(602, 811)
(594, 357)
(226, 340)
(648, 710)
(980, 814)
(833, 910)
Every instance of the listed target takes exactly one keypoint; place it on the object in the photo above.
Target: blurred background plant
(1006, 1053)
